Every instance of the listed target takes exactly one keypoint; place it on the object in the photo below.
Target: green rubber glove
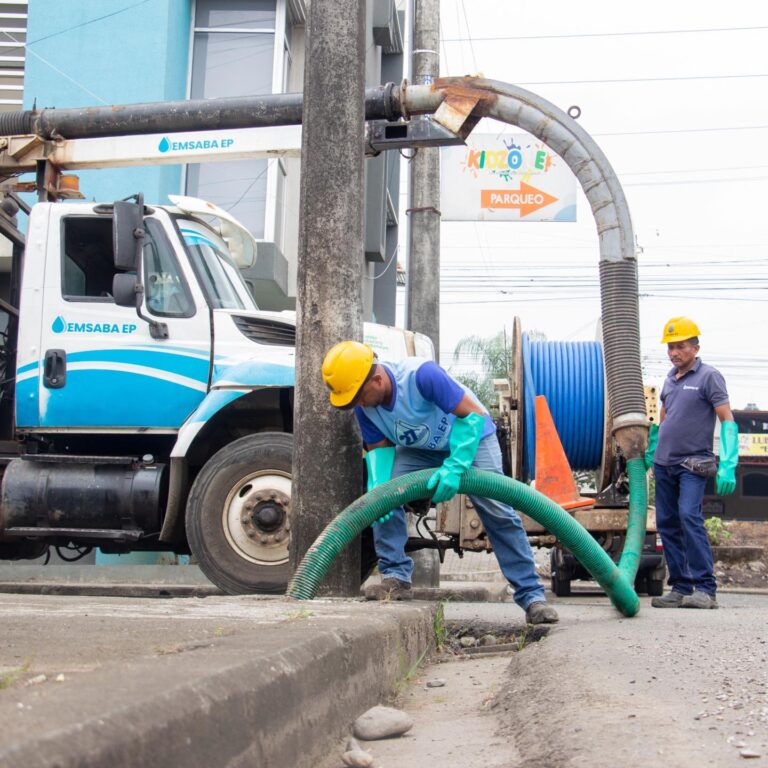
(464, 440)
(725, 482)
(379, 462)
(653, 441)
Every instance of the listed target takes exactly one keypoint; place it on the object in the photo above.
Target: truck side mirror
(124, 285)
(127, 234)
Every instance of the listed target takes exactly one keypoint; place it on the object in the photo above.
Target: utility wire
(56, 69)
(86, 23)
(639, 79)
(605, 34)
(686, 130)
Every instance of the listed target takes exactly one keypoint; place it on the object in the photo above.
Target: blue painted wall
(97, 52)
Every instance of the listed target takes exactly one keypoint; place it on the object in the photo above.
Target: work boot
(672, 599)
(541, 613)
(389, 589)
(699, 599)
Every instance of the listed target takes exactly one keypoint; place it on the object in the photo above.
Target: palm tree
(494, 355)
(492, 352)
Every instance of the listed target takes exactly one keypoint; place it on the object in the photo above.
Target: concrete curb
(279, 695)
(105, 589)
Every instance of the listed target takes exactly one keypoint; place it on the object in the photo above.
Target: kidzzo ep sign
(505, 178)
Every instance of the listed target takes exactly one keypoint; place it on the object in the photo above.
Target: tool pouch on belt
(702, 467)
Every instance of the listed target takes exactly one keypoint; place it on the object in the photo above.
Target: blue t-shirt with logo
(689, 414)
(419, 413)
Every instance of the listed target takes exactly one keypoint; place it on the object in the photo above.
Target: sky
(674, 94)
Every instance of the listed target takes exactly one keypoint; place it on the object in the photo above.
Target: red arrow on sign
(528, 199)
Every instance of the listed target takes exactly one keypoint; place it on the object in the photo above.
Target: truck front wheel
(238, 515)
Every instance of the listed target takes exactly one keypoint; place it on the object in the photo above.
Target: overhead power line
(687, 130)
(640, 33)
(639, 79)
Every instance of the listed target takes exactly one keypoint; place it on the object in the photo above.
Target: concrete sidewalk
(235, 681)
(189, 581)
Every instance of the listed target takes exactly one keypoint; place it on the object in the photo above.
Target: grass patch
(407, 672)
(7, 679)
(439, 627)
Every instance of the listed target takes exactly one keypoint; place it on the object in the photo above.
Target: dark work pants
(680, 522)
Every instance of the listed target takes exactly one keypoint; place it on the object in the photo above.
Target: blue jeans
(680, 522)
(504, 527)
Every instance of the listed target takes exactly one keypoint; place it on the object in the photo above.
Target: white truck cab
(153, 399)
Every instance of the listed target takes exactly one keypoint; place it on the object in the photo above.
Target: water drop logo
(164, 145)
(59, 325)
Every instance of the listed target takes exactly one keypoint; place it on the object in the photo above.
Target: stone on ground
(382, 723)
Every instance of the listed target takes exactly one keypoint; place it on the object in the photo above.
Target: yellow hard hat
(346, 368)
(679, 329)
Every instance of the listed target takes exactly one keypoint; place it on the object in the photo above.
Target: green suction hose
(616, 581)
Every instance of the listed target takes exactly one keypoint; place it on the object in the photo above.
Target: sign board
(750, 444)
(753, 445)
(505, 177)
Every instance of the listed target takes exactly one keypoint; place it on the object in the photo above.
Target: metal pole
(327, 454)
(423, 271)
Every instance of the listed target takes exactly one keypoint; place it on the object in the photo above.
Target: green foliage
(717, 531)
(482, 386)
(492, 352)
(438, 625)
(7, 679)
(407, 672)
(493, 357)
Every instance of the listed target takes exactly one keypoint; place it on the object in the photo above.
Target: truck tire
(238, 515)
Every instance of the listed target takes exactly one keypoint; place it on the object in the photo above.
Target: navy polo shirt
(689, 414)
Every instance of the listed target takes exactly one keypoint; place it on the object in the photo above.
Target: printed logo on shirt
(411, 435)
(686, 386)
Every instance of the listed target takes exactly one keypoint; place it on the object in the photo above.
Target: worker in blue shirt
(680, 452)
(413, 416)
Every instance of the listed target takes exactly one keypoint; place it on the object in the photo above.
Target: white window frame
(278, 80)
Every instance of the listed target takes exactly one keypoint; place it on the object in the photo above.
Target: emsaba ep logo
(60, 325)
(167, 145)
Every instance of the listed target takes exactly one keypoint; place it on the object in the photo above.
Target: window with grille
(13, 36)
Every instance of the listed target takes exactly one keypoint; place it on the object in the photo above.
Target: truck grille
(265, 331)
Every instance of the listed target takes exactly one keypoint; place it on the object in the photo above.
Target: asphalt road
(678, 688)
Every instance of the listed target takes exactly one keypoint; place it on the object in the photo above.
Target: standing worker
(680, 452)
(413, 416)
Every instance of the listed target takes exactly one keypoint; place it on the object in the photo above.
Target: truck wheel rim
(256, 517)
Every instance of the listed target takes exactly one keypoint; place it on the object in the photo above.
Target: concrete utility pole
(423, 275)
(327, 454)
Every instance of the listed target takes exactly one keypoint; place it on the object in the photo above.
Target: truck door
(100, 367)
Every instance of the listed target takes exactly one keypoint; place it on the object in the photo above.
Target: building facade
(99, 52)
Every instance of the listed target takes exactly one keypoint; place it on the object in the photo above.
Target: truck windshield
(220, 278)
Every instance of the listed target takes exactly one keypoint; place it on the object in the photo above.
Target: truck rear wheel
(237, 519)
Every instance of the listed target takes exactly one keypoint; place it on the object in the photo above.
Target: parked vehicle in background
(750, 499)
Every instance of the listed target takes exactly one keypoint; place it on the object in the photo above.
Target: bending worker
(680, 452)
(413, 416)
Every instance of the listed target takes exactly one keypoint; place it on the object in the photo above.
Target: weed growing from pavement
(407, 672)
(717, 531)
(301, 613)
(439, 628)
(7, 679)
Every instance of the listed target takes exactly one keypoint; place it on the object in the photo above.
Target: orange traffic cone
(553, 472)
